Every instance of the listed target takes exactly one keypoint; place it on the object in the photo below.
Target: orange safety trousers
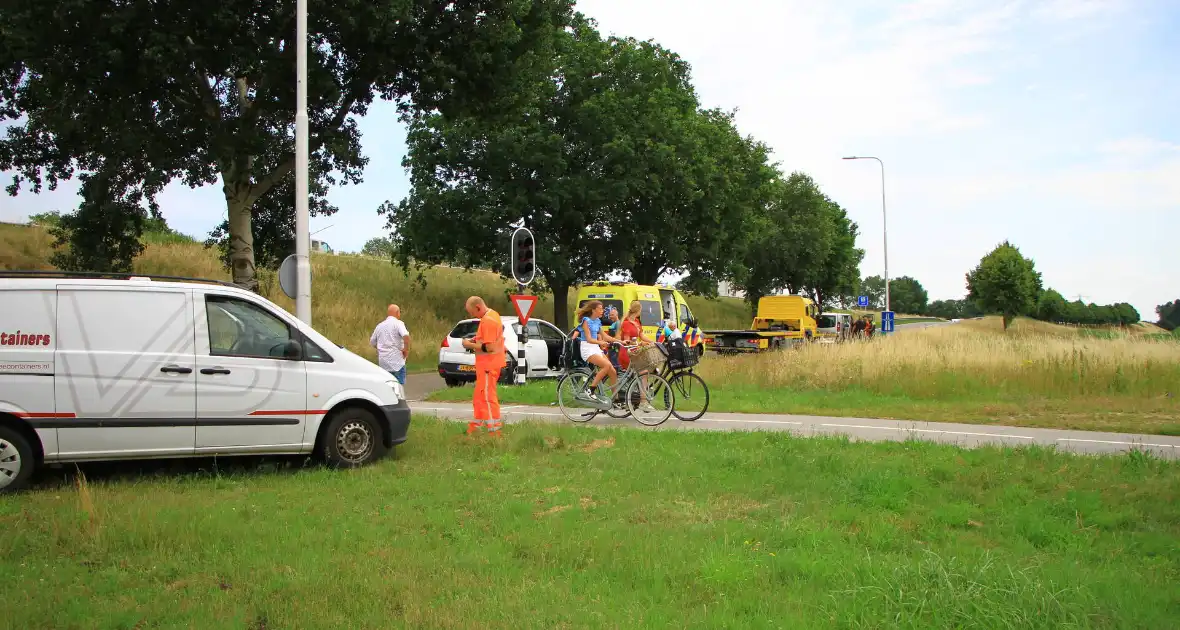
(486, 402)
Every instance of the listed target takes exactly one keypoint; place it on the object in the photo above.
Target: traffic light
(523, 260)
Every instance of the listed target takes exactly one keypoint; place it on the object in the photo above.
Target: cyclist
(631, 332)
(593, 340)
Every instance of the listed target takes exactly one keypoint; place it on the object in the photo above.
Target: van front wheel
(353, 439)
(16, 461)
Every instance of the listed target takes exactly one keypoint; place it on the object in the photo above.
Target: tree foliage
(614, 167)
(378, 246)
(953, 309)
(800, 241)
(1169, 315)
(873, 287)
(1005, 282)
(172, 90)
(906, 295)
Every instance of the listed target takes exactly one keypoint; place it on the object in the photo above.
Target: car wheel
(17, 461)
(508, 374)
(352, 439)
(453, 382)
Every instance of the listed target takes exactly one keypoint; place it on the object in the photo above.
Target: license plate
(466, 368)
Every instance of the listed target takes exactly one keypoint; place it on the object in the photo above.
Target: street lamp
(884, 232)
(302, 216)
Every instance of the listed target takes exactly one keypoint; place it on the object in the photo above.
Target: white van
(99, 369)
(833, 327)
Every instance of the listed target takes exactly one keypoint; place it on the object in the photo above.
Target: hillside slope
(350, 293)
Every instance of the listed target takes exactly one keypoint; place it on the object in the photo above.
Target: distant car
(456, 364)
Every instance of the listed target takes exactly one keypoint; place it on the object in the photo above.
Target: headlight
(397, 389)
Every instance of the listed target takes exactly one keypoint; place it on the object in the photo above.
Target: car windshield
(826, 321)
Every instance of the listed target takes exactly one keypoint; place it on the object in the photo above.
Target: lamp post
(884, 232)
(302, 216)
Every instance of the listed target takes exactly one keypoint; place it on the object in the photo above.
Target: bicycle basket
(681, 356)
(646, 359)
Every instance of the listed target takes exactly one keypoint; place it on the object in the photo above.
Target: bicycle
(688, 387)
(641, 392)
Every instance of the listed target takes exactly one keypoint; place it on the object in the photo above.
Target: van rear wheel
(16, 461)
(352, 440)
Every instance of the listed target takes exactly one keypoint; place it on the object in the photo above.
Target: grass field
(570, 527)
(1035, 375)
(350, 292)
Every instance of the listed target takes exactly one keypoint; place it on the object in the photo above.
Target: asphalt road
(964, 435)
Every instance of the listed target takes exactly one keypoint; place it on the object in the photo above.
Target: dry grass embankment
(350, 293)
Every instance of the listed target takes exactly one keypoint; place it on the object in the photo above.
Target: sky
(1053, 124)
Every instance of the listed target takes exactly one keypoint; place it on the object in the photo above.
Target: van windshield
(651, 313)
(826, 321)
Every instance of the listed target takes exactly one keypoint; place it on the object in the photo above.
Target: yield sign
(524, 306)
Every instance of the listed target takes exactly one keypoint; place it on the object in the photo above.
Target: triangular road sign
(524, 306)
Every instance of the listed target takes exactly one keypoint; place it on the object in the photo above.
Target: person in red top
(632, 332)
(488, 346)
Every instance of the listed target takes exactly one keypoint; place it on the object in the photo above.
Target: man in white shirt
(392, 341)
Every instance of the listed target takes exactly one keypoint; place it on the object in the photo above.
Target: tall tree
(1169, 315)
(613, 167)
(787, 242)
(838, 275)
(176, 90)
(1005, 282)
(906, 295)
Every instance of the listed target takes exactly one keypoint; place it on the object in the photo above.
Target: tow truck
(781, 321)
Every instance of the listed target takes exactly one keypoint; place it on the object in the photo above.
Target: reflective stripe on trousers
(485, 401)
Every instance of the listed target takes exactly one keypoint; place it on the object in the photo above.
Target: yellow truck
(782, 321)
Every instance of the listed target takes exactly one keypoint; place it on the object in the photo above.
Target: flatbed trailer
(782, 321)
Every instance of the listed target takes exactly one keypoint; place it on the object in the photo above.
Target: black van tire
(25, 459)
(353, 439)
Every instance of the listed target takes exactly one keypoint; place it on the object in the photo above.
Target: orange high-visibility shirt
(491, 330)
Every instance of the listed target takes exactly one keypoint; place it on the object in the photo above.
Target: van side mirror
(293, 350)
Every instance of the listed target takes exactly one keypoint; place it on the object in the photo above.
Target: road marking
(1115, 442)
(749, 421)
(865, 426)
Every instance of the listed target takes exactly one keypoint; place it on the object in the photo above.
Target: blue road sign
(886, 321)
(862, 301)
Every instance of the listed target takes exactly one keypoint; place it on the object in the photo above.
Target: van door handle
(214, 370)
(176, 369)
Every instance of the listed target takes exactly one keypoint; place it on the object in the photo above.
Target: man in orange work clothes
(488, 345)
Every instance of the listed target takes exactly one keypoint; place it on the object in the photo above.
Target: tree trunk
(241, 240)
(645, 273)
(561, 314)
(1006, 318)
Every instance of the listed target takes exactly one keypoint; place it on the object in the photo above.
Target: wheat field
(944, 361)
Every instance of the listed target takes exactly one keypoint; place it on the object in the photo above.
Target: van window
(238, 328)
(651, 312)
(826, 321)
(685, 315)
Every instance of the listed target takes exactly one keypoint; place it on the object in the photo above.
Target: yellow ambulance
(660, 302)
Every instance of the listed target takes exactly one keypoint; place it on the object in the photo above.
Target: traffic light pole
(521, 341)
(523, 266)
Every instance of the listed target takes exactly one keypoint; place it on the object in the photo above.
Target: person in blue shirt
(594, 339)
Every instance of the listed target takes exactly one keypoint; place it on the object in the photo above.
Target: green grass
(562, 526)
(972, 406)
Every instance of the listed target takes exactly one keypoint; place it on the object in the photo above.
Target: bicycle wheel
(692, 396)
(568, 387)
(650, 400)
